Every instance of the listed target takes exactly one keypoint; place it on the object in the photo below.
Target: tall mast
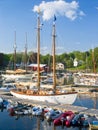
(26, 53)
(38, 51)
(94, 62)
(54, 68)
(15, 52)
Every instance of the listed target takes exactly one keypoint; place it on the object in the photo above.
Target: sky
(76, 25)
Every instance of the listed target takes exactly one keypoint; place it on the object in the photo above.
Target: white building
(75, 63)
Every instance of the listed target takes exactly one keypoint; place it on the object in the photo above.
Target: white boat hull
(57, 99)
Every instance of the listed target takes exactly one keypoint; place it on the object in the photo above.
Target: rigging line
(59, 42)
(50, 60)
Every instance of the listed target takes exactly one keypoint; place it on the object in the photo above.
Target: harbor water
(9, 122)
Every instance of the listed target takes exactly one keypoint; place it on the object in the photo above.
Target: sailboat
(16, 73)
(51, 96)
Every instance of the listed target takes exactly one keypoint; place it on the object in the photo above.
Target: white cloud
(97, 8)
(59, 8)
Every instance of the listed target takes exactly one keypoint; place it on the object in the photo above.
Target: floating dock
(63, 107)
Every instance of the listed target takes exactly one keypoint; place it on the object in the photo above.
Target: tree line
(87, 60)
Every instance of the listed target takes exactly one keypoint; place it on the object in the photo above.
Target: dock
(63, 107)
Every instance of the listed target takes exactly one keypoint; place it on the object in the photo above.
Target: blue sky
(76, 24)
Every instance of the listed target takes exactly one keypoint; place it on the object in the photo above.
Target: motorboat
(69, 119)
(93, 125)
(52, 114)
(61, 120)
(80, 120)
(7, 87)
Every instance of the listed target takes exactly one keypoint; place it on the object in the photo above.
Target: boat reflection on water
(1, 109)
(87, 100)
(38, 123)
(95, 99)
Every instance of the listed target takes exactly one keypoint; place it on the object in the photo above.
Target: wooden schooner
(51, 96)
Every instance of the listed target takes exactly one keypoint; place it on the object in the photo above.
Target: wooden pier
(64, 107)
